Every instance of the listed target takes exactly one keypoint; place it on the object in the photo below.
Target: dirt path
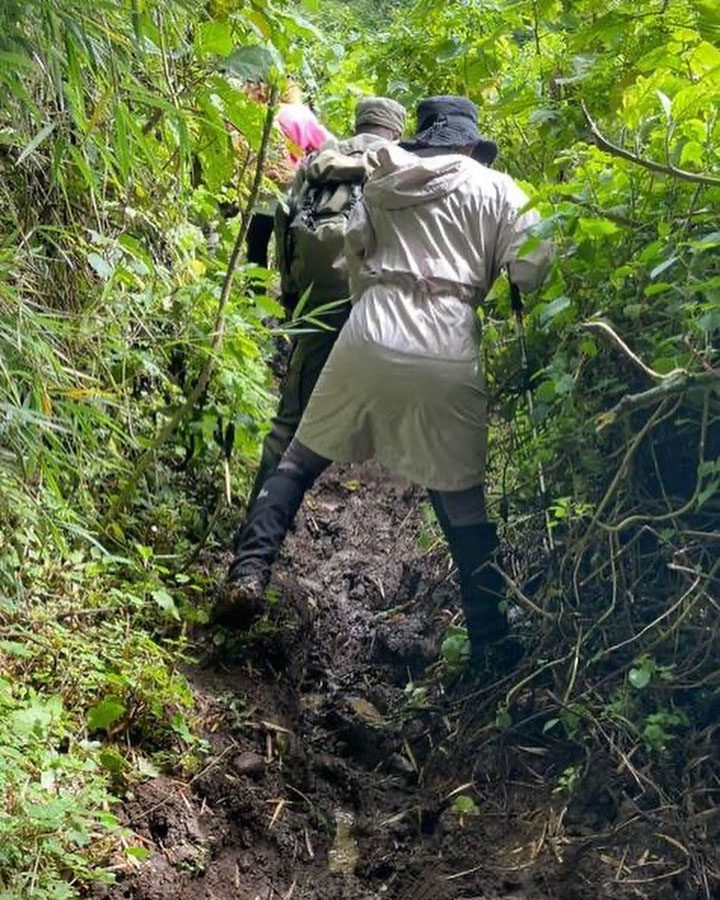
(332, 774)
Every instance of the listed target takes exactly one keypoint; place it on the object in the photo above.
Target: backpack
(310, 230)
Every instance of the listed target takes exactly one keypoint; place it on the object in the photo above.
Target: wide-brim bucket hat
(450, 122)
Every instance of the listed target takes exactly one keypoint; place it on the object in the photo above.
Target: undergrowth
(116, 158)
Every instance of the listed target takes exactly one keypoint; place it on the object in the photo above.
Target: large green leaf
(214, 37)
(107, 712)
(256, 63)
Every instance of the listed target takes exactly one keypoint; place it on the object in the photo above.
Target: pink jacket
(303, 130)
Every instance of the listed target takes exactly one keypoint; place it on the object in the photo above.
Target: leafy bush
(116, 163)
(55, 813)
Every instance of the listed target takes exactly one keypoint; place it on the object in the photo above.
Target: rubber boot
(475, 549)
(258, 544)
(268, 464)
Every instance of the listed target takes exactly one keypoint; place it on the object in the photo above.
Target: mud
(342, 767)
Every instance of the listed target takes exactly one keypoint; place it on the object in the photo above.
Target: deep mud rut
(329, 777)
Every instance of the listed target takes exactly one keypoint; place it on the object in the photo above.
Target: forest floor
(337, 756)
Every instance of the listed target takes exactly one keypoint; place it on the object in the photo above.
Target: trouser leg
(276, 442)
(258, 239)
(474, 547)
(309, 355)
(274, 510)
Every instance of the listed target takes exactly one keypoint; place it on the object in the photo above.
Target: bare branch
(604, 328)
(650, 164)
(676, 385)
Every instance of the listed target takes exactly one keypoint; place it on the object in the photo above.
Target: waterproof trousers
(307, 359)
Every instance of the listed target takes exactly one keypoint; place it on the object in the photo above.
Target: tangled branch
(678, 384)
(670, 384)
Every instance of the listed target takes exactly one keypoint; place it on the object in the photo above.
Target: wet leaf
(165, 601)
(101, 266)
(662, 267)
(554, 309)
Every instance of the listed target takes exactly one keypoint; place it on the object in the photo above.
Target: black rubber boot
(475, 549)
(262, 535)
(270, 518)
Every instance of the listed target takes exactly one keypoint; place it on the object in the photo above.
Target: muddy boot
(262, 535)
(243, 596)
(482, 587)
(491, 647)
(242, 600)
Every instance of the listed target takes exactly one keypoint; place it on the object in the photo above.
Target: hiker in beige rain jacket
(404, 382)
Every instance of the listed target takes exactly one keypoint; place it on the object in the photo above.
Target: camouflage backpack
(310, 230)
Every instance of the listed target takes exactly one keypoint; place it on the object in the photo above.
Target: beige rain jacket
(404, 382)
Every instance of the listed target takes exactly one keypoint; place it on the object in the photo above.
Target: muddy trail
(343, 767)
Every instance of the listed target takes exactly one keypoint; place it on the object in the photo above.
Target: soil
(342, 766)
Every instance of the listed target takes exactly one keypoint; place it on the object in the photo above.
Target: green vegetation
(115, 159)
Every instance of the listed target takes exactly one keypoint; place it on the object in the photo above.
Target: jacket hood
(401, 179)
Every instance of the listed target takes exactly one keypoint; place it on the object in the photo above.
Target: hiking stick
(517, 308)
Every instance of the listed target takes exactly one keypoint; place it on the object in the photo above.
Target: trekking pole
(517, 307)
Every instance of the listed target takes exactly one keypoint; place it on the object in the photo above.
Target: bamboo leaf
(35, 142)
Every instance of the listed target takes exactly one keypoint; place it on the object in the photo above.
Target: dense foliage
(116, 160)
